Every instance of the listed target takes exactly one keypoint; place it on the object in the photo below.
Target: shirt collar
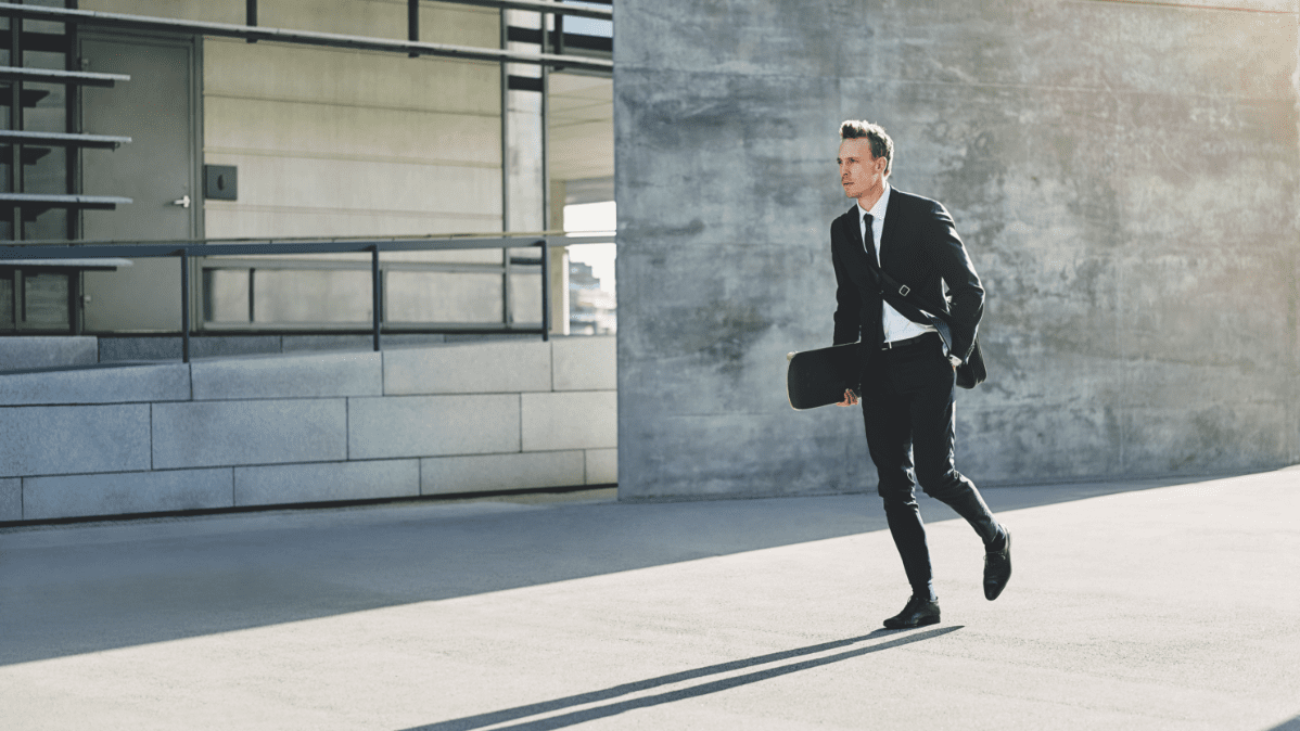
(877, 211)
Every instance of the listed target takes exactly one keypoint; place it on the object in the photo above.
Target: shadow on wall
(89, 588)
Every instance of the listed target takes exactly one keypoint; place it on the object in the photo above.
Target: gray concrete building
(1124, 175)
(240, 376)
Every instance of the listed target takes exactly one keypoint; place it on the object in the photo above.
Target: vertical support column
(185, 305)
(558, 262)
(505, 124)
(507, 309)
(413, 24)
(15, 181)
(546, 289)
(250, 16)
(376, 293)
(547, 219)
(559, 36)
(523, 149)
(252, 297)
(72, 169)
(545, 125)
(72, 117)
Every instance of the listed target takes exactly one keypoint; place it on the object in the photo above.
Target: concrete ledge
(430, 426)
(575, 420)
(488, 367)
(168, 347)
(21, 353)
(133, 382)
(51, 440)
(70, 496)
(323, 482)
(289, 376)
(11, 499)
(486, 473)
(208, 434)
(602, 466)
(584, 364)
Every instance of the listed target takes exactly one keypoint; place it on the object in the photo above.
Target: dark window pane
(52, 224)
(47, 301)
(7, 300)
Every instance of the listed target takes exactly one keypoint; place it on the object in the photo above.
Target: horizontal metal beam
(299, 37)
(61, 139)
(541, 7)
(110, 264)
(37, 200)
(54, 76)
(211, 328)
(577, 239)
(224, 263)
(198, 248)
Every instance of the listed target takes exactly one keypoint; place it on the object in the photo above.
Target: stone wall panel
(49, 440)
(203, 434)
(124, 493)
(326, 481)
(426, 426)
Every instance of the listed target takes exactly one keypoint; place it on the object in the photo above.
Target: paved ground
(1153, 605)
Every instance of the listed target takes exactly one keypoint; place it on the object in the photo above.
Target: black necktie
(869, 242)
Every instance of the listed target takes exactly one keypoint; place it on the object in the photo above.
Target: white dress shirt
(894, 325)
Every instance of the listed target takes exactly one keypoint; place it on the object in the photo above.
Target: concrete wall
(156, 437)
(1124, 175)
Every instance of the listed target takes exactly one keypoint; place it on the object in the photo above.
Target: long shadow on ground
(622, 704)
(73, 590)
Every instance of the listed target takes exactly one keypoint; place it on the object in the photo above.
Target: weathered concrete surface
(418, 426)
(326, 481)
(120, 493)
(45, 440)
(488, 472)
(1125, 176)
(19, 353)
(122, 438)
(119, 383)
(1155, 606)
(310, 375)
(491, 367)
(269, 431)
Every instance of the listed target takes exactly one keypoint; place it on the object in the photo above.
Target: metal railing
(185, 249)
(253, 32)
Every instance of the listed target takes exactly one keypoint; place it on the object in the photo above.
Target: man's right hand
(850, 398)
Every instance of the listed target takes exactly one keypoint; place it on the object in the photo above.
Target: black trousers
(908, 407)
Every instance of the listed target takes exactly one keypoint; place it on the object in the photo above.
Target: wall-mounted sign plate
(221, 182)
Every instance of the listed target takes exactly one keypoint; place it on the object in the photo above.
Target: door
(159, 170)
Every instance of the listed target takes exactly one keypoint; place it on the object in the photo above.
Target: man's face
(861, 172)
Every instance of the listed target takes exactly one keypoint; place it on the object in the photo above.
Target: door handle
(183, 201)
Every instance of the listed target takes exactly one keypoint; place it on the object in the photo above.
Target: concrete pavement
(1143, 605)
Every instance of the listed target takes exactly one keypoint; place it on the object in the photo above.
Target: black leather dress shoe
(997, 569)
(917, 613)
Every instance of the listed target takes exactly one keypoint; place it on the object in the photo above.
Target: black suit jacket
(920, 248)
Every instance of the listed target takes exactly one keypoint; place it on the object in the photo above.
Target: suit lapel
(854, 233)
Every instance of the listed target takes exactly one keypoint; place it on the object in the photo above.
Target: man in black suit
(910, 355)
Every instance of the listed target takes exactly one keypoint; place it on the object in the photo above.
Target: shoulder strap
(904, 298)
